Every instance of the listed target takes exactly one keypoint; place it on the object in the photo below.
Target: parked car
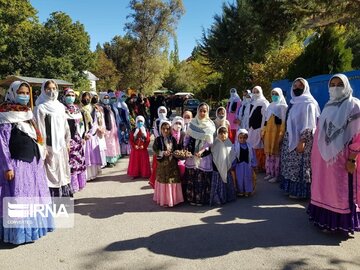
(191, 105)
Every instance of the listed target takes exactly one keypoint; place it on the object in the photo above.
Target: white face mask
(336, 92)
(187, 120)
(51, 94)
(177, 127)
(162, 115)
(256, 96)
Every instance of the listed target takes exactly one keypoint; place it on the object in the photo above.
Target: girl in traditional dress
(221, 121)
(123, 109)
(244, 164)
(187, 116)
(139, 161)
(168, 190)
(258, 108)
(23, 172)
(177, 125)
(92, 154)
(244, 111)
(335, 187)
(77, 130)
(111, 134)
(222, 184)
(52, 121)
(295, 169)
(162, 112)
(232, 109)
(124, 140)
(273, 133)
(199, 169)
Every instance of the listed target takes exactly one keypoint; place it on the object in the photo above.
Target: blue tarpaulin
(319, 86)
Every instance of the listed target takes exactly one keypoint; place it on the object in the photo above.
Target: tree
(105, 70)
(326, 54)
(153, 21)
(17, 21)
(63, 50)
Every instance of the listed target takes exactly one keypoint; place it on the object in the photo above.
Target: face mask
(275, 99)
(177, 127)
(221, 117)
(123, 99)
(106, 101)
(187, 120)
(298, 91)
(22, 99)
(69, 100)
(51, 95)
(256, 96)
(94, 100)
(336, 92)
(85, 102)
(162, 115)
(113, 100)
(139, 124)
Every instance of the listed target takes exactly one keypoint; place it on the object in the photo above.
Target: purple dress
(243, 169)
(29, 181)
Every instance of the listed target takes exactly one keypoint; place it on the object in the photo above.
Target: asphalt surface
(118, 226)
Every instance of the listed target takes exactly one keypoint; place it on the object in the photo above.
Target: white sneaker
(267, 177)
(273, 180)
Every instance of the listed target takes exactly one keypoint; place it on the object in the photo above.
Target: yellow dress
(272, 135)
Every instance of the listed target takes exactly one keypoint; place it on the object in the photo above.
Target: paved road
(118, 226)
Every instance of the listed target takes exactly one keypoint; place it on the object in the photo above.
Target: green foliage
(17, 20)
(326, 54)
(153, 21)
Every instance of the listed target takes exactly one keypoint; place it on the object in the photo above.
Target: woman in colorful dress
(244, 111)
(111, 134)
(92, 155)
(23, 172)
(335, 187)
(177, 125)
(139, 161)
(52, 121)
(77, 130)
(162, 112)
(273, 133)
(232, 109)
(168, 190)
(198, 171)
(295, 168)
(222, 183)
(258, 108)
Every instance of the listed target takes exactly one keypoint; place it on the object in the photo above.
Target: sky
(105, 19)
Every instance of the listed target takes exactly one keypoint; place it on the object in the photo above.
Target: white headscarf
(234, 97)
(221, 122)
(56, 110)
(260, 101)
(277, 108)
(302, 115)
(162, 116)
(237, 144)
(19, 118)
(223, 155)
(178, 119)
(339, 122)
(142, 129)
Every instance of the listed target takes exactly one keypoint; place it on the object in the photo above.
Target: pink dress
(335, 194)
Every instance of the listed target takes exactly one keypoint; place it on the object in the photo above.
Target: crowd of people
(312, 154)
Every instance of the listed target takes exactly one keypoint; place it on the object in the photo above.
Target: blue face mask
(113, 100)
(22, 99)
(106, 101)
(139, 124)
(275, 98)
(69, 100)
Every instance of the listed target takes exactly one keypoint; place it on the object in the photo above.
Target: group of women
(313, 154)
(55, 149)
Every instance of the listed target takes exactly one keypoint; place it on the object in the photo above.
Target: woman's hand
(351, 166)
(198, 154)
(9, 175)
(300, 147)
(167, 153)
